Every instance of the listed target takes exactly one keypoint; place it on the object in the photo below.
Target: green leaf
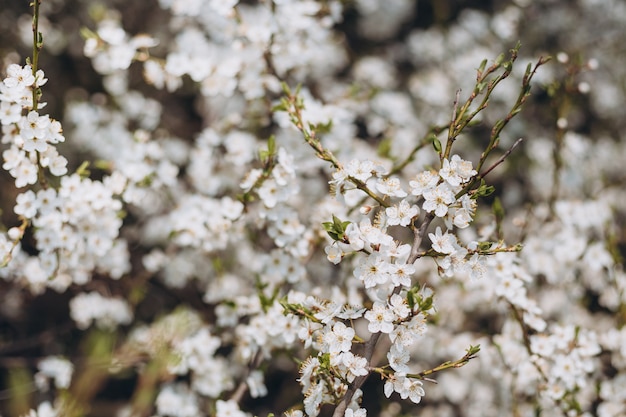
(426, 304)
(279, 107)
(322, 127)
(473, 350)
(482, 66)
(484, 246)
(436, 144)
(410, 299)
(336, 228)
(87, 33)
(83, 169)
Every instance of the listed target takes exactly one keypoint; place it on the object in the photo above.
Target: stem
(419, 237)
(471, 354)
(37, 44)
(295, 111)
(237, 395)
(459, 120)
(502, 158)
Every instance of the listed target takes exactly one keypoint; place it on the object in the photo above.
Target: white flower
(339, 339)
(177, 400)
(456, 171)
(424, 181)
(256, 385)
(313, 399)
(510, 288)
(34, 132)
(333, 253)
(361, 412)
(10, 112)
(438, 199)
(373, 270)
(400, 274)
(398, 358)
(476, 265)
(355, 364)
(391, 187)
(380, 319)
(27, 204)
(401, 214)
(57, 368)
(464, 168)
(19, 77)
(360, 170)
(354, 237)
(443, 243)
(106, 312)
(399, 306)
(374, 235)
(412, 388)
(25, 173)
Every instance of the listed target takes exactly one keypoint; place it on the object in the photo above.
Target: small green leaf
(336, 228)
(482, 66)
(83, 169)
(485, 191)
(529, 69)
(484, 246)
(271, 145)
(436, 144)
(279, 107)
(473, 350)
(410, 299)
(86, 33)
(426, 304)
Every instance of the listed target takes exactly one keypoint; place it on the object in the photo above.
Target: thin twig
(502, 158)
(237, 395)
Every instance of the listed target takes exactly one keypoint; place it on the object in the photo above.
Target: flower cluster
(77, 229)
(31, 137)
(88, 308)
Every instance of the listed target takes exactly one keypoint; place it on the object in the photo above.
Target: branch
(502, 158)
(237, 395)
(469, 355)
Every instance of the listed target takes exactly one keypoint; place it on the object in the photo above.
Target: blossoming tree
(310, 208)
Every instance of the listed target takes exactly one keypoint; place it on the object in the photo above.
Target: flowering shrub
(304, 207)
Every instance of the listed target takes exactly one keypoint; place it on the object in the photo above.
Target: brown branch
(502, 158)
(237, 395)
